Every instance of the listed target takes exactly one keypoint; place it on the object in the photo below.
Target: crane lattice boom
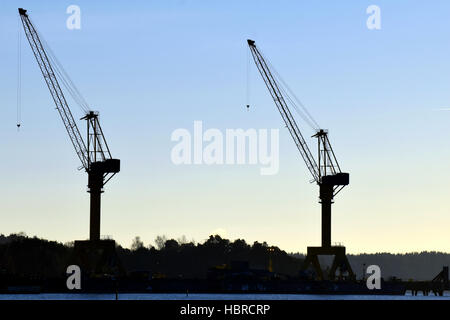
(326, 169)
(282, 106)
(55, 89)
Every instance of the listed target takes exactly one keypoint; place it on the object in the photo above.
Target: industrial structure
(94, 154)
(325, 171)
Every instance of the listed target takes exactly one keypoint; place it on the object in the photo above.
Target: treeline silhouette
(39, 258)
(416, 265)
(177, 258)
(26, 256)
(423, 265)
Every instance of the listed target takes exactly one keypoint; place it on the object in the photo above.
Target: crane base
(340, 262)
(97, 257)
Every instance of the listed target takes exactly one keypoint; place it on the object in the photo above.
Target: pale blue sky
(151, 67)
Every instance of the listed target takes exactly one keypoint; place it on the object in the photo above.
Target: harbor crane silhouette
(94, 154)
(326, 171)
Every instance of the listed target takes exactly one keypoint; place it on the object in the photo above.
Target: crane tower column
(95, 190)
(326, 199)
(100, 170)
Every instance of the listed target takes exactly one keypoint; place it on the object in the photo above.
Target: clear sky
(151, 67)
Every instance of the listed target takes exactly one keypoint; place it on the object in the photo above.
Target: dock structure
(437, 286)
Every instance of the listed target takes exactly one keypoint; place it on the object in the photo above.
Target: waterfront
(199, 296)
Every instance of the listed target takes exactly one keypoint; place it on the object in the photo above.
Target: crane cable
(248, 78)
(295, 102)
(64, 78)
(19, 76)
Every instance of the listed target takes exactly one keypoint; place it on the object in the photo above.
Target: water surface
(207, 296)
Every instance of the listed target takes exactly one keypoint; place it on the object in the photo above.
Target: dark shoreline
(198, 286)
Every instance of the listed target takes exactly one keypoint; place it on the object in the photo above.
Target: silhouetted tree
(160, 241)
(171, 245)
(137, 244)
